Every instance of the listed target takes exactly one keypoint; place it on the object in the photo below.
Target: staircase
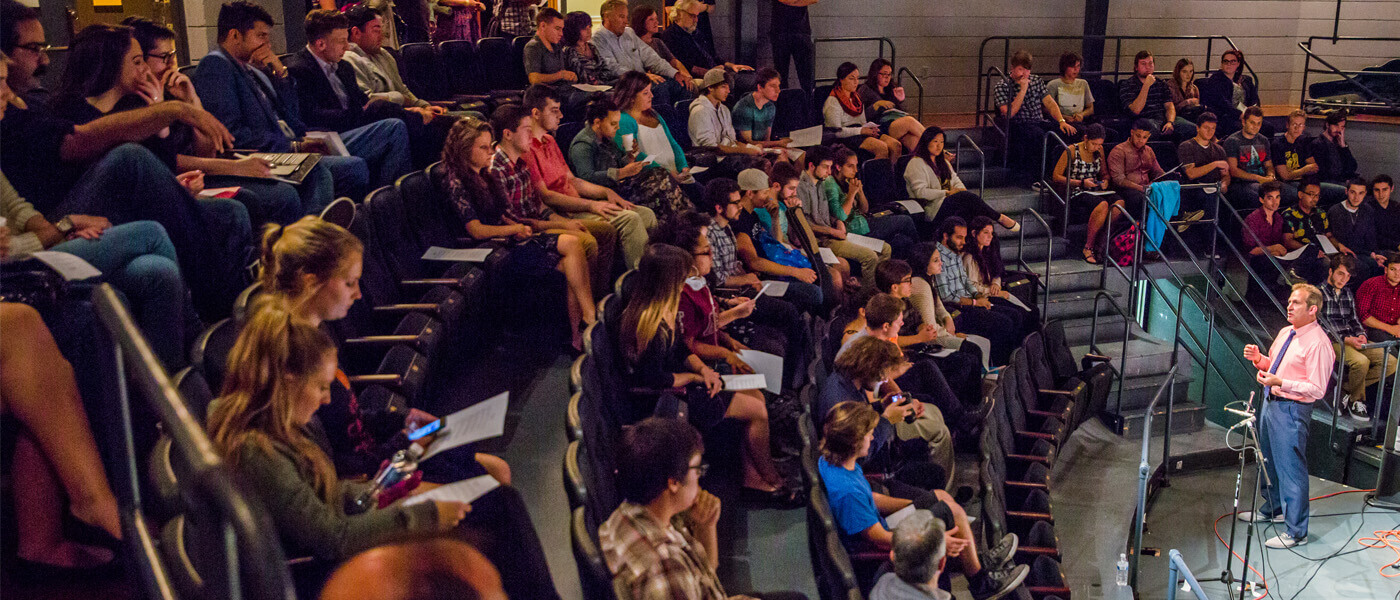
(1074, 285)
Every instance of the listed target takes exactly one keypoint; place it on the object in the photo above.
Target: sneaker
(1359, 412)
(1039, 187)
(1004, 582)
(1189, 218)
(1000, 557)
(1248, 516)
(1283, 540)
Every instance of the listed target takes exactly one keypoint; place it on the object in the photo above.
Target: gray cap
(753, 180)
(713, 77)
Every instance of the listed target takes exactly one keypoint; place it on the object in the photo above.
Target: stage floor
(1185, 513)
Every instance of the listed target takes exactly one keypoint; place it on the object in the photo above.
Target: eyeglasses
(700, 469)
(907, 280)
(36, 47)
(166, 57)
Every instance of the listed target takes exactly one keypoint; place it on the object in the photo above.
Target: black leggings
(965, 205)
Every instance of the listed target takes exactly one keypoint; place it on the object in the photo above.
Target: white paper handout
(1326, 244)
(899, 516)
(483, 420)
(775, 289)
(802, 138)
(1294, 254)
(1017, 301)
(465, 491)
(768, 365)
(913, 207)
(586, 87)
(869, 243)
(739, 383)
(332, 140)
(69, 266)
(986, 346)
(457, 254)
(828, 256)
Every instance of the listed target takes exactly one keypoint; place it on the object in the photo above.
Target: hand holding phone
(425, 430)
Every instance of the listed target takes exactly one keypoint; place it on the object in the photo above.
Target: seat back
(519, 79)
(794, 113)
(195, 390)
(881, 184)
(494, 56)
(427, 210)
(819, 96)
(393, 234)
(1106, 103)
(244, 302)
(411, 369)
(422, 69)
(461, 68)
(575, 485)
(211, 350)
(593, 571)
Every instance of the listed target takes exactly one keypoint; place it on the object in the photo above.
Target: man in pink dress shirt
(1294, 375)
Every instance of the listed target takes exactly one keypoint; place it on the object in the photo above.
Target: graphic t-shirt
(1251, 153)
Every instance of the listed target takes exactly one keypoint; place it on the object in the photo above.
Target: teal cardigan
(629, 125)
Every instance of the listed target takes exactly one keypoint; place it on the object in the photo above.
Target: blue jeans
(806, 296)
(1332, 193)
(1283, 437)
(384, 146)
(138, 259)
(271, 201)
(212, 238)
(1182, 129)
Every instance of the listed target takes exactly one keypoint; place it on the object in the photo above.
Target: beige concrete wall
(202, 19)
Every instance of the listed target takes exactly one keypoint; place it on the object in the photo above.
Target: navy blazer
(323, 109)
(229, 95)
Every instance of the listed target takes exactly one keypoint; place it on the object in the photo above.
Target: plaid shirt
(953, 284)
(1339, 312)
(655, 562)
(723, 255)
(517, 17)
(1032, 107)
(523, 200)
(1377, 298)
(1305, 228)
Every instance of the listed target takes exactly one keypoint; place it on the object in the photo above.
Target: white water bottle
(1122, 576)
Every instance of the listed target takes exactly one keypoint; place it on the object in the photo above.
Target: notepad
(776, 289)
(899, 516)
(457, 254)
(802, 138)
(1017, 301)
(333, 141)
(770, 366)
(913, 207)
(739, 383)
(828, 256)
(869, 243)
(465, 491)
(1294, 254)
(71, 267)
(479, 421)
(587, 87)
(1326, 244)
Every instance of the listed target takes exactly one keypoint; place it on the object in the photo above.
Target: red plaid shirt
(653, 561)
(523, 200)
(1377, 298)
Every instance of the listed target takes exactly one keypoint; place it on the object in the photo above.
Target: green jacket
(629, 125)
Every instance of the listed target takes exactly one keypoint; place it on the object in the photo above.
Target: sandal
(1090, 256)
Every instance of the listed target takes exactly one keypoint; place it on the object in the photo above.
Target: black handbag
(30, 281)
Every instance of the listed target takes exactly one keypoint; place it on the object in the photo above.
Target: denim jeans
(138, 259)
(1182, 129)
(806, 296)
(1283, 438)
(212, 238)
(349, 175)
(384, 146)
(898, 231)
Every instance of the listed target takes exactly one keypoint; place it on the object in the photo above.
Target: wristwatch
(64, 226)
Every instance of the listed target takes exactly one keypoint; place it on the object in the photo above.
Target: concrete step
(1032, 226)
(1186, 418)
(1146, 355)
(1035, 250)
(1109, 330)
(971, 175)
(1012, 200)
(1138, 391)
(1080, 303)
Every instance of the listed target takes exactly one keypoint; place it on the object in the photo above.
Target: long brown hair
(845, 426)
(1176, 75)
(274, 355)
(626, 89)
(656, 297)
(308, 246)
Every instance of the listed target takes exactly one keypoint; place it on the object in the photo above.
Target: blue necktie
(1278, 360)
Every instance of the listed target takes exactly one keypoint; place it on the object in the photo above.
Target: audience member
(1229, 91)
(1264, 236)
(792, 225)
(1378, 302)
(1293, 157)
(910, 433)
(595, 157)
(513, 18)
(1186, 96)
(1081, 177)
(755, 113)
(736, 261)
(597, 206)
(376, 70)
(430, 569)
(995, 320)
(23, 40)
(1387, 213)
(57, 474)
(330, 99)
(1335, 164)
(1202, 160)
(461, 22)
(981, 258)
(831, 230)
(1353, 222)
(1023, 99)
(962, 369)
(545, 63)
(515, 130)
(790, 36)
(643, 132)
(1306, 225)
(1363, 367)
(1146, 97)
(846, 193)
(1251, 165)
(930, 178)
(918, 553)
(245, 85)
(760, 232)
(1070, 93)
(656, 359)
(712, 128)
(844, 112)
(689, 40)
(623, 52)
(927, 264)
(662, 541)
(137, 258)
(763, 323)
(884, 105)
(860, 511)
(480, 202)
(580, 55)
(1133, 166)
(647, 25)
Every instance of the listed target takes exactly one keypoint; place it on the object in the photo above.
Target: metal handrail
(245, 521)
(881, 41)
(981, 115)
(1123, 357)
(1144, 469)
(1308, 69)
(1049, 253)
(1352, 80)
(982, 161)
(1048, 185)
(1176, 571)
(899, 76)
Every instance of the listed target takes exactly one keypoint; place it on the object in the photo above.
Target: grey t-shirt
(1192, 154)
(542, 61)
(1250, 154)
(1073, 98)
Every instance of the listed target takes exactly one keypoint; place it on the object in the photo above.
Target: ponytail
(308, 246)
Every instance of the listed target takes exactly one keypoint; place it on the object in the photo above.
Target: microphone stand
(1251, 440)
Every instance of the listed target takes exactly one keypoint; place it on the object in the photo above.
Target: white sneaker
(1283, 540)
(1248, 516)
(1359, 412)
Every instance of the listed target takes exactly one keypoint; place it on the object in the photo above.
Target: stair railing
(1049, 254)
(1123, 355)
(1145, 470)
(982, 161)
(990, 117)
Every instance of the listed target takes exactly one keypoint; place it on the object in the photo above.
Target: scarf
(849, 102)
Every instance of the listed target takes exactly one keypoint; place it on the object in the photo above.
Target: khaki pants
(931, 429)
(598, 239)
(1363, 368)
(632, 227)
(854, 252)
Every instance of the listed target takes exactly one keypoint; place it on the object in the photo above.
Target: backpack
(1120, 251)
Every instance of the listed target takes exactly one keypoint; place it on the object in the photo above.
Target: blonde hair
(682, 6)
(274, 355)
(308, 246)
(1314, 295)
(656, 297)
(611, 5)
(1297, 113)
